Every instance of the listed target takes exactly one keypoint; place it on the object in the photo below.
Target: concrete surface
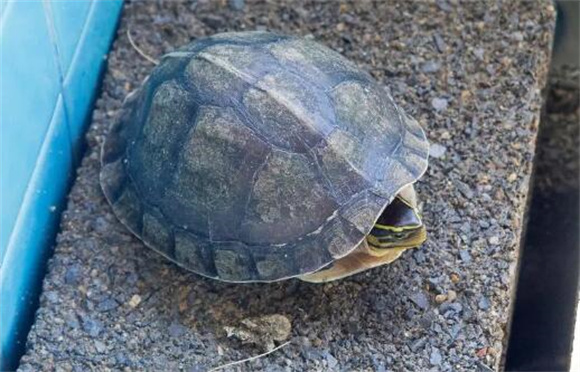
(471, 73)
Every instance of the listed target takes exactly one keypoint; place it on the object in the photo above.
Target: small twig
(142, 53)
(248, 359)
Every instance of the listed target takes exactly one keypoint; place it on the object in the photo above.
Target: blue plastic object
(51, 56)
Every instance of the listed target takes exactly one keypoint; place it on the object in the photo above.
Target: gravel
(110, 303)
(437, 151)
(435, 357)
(439, 104)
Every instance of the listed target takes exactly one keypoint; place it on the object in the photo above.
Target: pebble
(440, 298)
(464, 189)
(72, 275)
(420, 300)
(517, 36)
(439, 104)
(72, 321)
(212, 21)
(454, 330)
(455, 307)
(236, 4)
(439, 43)
(435, 357)
(479, 52)
(176, 330)
(107, 304)
(51, 296)
(418, 344)
(134, 301)
(484, 303)
(122, 359)
(311, 353)
(451, 296)
(91, 326)
(197, 367)
(437, 151)
(444, 5)
(494, 240)
(100, 347)
(101, 225)
(430, 66)
(464, 255)
(330, 359)
(481, 367)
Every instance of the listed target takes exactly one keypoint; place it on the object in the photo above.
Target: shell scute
(275, 214)
(152, 155)
(194, 253)
(215, 170)
(157, 232)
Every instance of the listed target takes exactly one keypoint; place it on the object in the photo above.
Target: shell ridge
(293, 70)
(294, 109)
(350, 78)
(354, 167)
(251, 188)
(248, 78)
(322, 171)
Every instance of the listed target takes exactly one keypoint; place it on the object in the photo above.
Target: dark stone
(214, 22)
(107, 304)
(464, 255)
(454, 307)
(197, 368)
(330, 359)
(311, 353)
(72, 275)
(236, 4)
(440, 43)
(91, 326)
(464, 189)
(72, 321)
(121, 359)
(418, 344)
(454, 330)
(176, 330)
(481, 367)
(420, 300)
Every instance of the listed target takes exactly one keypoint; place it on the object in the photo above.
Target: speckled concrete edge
(543, 84)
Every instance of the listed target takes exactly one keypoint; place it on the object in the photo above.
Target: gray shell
(256, 157)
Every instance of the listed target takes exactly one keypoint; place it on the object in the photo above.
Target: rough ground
(471, 74)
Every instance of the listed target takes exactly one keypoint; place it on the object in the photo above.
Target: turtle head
(399, 226)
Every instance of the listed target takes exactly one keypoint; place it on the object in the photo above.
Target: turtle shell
(253, 156)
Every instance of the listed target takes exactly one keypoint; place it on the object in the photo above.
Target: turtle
(257, 156)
